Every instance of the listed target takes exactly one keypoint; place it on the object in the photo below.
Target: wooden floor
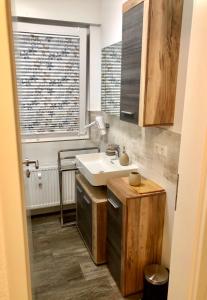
(62, 268)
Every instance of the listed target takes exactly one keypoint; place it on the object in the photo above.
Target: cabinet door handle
(86, 200)
(79, 189)
(113, 203)
(129, 113)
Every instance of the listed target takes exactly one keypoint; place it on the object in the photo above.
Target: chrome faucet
(117, 152)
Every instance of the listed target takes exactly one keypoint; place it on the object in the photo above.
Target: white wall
(111, 20)
(86, 11)
(46, 153)
(183, 64)
(192, 168)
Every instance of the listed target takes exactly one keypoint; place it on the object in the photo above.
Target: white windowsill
(54, 139)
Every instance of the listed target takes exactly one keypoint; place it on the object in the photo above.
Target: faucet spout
(117, 154)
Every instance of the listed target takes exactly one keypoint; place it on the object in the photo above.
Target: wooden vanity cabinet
(150, 54)
(135, 224)
(91, 213)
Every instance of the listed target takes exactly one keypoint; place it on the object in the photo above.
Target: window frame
(63, 30)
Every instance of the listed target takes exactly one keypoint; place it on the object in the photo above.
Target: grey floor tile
(62, 267)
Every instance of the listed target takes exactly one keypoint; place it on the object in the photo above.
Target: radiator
(42, 188)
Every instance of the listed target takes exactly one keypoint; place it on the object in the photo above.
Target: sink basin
(98, 167)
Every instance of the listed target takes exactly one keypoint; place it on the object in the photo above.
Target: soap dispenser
(124, 158)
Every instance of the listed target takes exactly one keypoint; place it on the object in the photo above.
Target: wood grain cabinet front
(91, 212)
(135, 224)
(150, 53)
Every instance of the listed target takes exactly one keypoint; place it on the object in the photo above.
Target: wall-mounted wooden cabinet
(91, 210)
(135, 223)
(150, 54)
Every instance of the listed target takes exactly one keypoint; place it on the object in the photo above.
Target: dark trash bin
(155, 282)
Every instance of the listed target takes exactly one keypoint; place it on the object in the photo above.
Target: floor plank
(62, 268)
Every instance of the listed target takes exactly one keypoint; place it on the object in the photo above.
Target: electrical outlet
(156, 148)
(163, 150)
(160, 149)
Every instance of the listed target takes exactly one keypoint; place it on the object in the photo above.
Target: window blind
(111, 78)
(48, 79)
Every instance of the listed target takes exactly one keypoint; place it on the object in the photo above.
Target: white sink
(98, 168)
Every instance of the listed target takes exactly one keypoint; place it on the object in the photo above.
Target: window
(51, 79)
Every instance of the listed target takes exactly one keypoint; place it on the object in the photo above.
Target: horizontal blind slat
(48, 67)
(111, 78)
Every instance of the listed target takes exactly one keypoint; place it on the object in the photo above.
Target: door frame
(13, 220)
(189, 247)
(188, 264)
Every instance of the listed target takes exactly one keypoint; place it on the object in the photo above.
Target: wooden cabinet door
(150, 54)
(131, 63)
(114, 236)
(84, 215)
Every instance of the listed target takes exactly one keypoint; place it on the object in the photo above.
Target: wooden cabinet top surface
(124, 191)
(96, 193)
